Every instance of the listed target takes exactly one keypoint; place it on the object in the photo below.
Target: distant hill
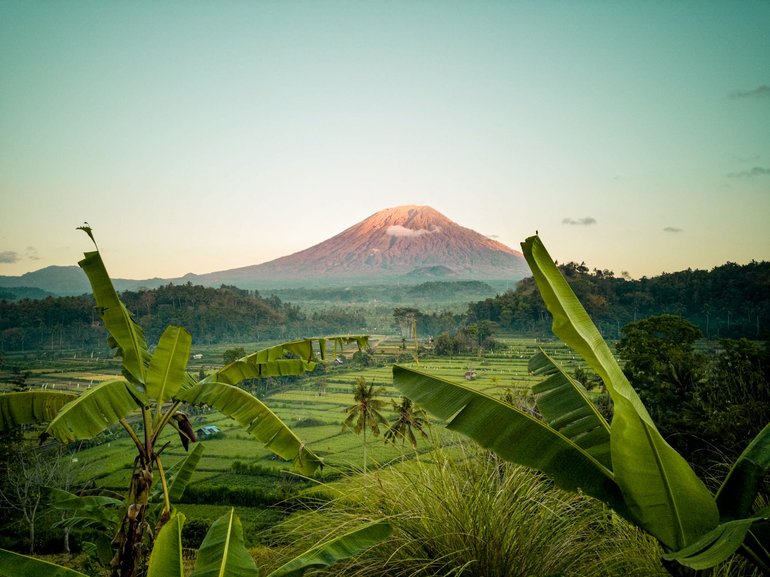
(409, 244)
(23, 292)
(60, 280)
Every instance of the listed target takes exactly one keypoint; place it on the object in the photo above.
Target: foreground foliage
(462, 511)
(629, 465)
(222, 553)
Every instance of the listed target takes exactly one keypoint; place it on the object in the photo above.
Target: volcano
(401, 243)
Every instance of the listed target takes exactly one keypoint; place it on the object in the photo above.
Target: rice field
(315, 408)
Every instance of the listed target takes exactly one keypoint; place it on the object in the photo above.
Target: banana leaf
(335, 550)
(362, 341)
(256, 418)
(16, 565)
(273, 361)
(30, 407)
(95, 410)
(99, 508)
(662, 492)
(513, 434)
(222, 553)
(168, 364)
(250, 368)
(739, 489)
(565, 406)
(182, 473)
(716, 545)
(127, 336)
(166, 556)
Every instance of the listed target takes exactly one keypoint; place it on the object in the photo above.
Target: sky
(202, 136)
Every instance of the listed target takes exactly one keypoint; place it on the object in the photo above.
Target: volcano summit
(402, 243)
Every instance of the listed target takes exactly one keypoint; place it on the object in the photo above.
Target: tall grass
(472, 515)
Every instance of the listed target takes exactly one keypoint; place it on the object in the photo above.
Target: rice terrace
(473, 442)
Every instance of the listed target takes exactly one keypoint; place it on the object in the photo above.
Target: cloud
(762, 91)
(402, 231)
(585, 221)
(672, 229)
(31, 253)
(756, 171)
(8, 256)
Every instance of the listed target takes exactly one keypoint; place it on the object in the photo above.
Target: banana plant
(222, 553)
(627, 464)
(149, 398)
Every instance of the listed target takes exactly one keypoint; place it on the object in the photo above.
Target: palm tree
(409, 418)
(365, 411)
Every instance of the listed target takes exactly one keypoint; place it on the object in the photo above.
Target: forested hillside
(730, 301)
(225, 314)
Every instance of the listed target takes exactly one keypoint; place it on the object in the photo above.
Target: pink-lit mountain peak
(398, 241)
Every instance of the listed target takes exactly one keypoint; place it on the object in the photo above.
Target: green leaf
(183, 472)
(514, 435)
(127, 336)
(95, 410)
(250, 368)
(738, 491)
(273, 361)
(16, 565)
(565, 406)
(662, 492)
(222, 553)
(167, 366)
(166, 556)
(30, 407)
(66, 501)
(335, 550)
(256, 418)
(715, 546)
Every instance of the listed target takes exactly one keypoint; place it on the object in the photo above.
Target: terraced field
(314, 406)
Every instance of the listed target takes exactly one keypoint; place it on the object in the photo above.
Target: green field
(314, 407)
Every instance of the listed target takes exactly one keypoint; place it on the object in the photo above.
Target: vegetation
(365, 413)
(629, 466)
(454, 510)
(705, 410)
(464, 512)
(157, 386)
(730, 301)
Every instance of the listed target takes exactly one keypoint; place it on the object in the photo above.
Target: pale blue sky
(202, 136)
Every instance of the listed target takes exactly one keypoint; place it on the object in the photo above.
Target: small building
(470, 375)
(207, 432)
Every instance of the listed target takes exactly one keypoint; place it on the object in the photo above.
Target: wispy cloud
(31, 253)
(756, 171)
(585, 221)
(762, 91)
(672, 229)
(8, 256)
(402, 231)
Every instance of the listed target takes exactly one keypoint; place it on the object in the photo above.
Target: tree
(31, 471)
(661, 363)
(365, 412)
(232, 355)
(627, 465)
(156, 386)
(408, 420)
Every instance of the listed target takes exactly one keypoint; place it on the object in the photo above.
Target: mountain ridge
(408, 244)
